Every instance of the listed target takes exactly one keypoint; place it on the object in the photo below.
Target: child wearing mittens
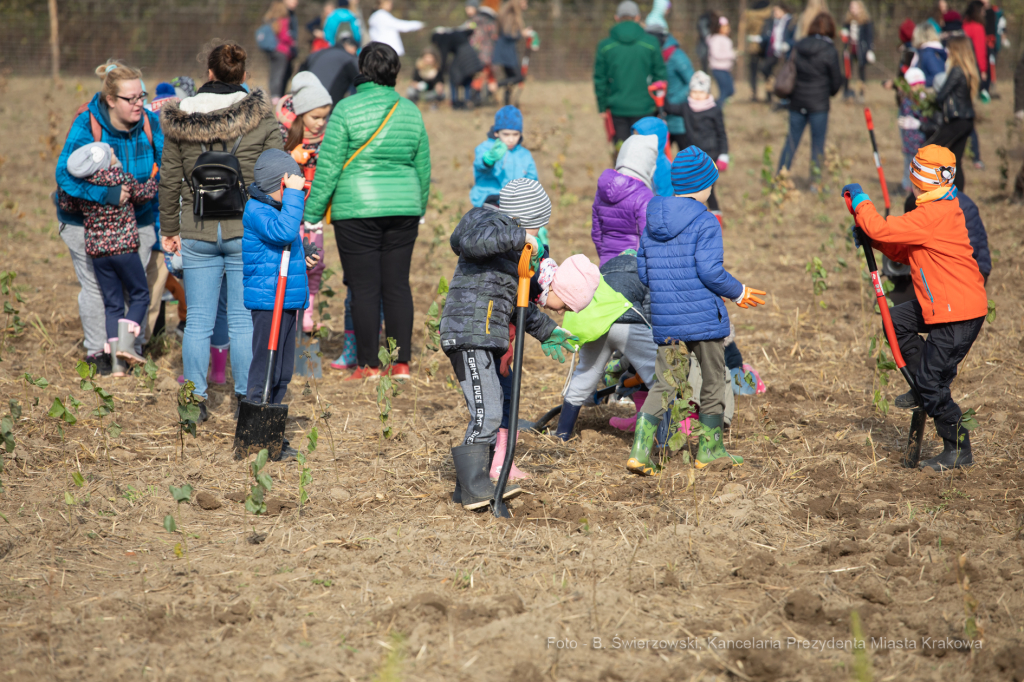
(680, 261)
(502, 157)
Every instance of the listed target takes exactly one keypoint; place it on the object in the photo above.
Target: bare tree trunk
(54, 42)
(556, 9)
(742, 40)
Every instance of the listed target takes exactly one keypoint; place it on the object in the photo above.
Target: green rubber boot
(643, 445)
(711, 446)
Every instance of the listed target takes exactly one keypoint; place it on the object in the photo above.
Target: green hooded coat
(627, 62)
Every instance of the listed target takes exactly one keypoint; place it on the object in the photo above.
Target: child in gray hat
(112, 241)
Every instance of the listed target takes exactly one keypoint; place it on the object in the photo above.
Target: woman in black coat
(954, 96)
(819, 76)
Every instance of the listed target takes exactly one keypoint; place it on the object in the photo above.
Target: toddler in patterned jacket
(112, 241)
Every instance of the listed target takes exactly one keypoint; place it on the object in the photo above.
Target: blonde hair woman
(115, 115)
(955, 95)
(930, 55)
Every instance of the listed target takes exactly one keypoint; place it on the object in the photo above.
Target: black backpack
(218, 188)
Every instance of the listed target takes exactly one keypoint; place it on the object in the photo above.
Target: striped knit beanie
(526, 200)
(933, 167)
(692, 171)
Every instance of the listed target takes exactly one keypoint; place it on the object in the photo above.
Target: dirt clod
(207, 501)
(804, 606)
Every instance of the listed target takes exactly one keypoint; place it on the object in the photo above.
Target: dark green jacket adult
(391, 177)
(627, 62)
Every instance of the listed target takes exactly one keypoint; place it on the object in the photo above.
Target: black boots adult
(473, 487)
(956, 451)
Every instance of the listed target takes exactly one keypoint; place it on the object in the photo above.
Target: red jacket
(933, 240)
(976, 32)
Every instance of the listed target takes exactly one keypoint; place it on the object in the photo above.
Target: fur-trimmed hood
(236, 119)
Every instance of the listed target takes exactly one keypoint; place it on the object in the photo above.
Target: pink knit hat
(576, 281)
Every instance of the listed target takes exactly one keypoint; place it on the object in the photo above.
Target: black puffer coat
(955, 96)
(819, 75)
(620, 274)
(705, 129)
(482, 293)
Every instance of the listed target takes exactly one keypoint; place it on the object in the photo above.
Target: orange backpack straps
(97, 130)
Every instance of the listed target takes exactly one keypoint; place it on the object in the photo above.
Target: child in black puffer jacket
(705, 127)
(474, 332)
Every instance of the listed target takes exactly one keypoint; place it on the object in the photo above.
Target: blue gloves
(853, 231)
(857, 194)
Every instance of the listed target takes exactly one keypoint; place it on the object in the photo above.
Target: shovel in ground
(498, 507)
(260, 425)
(912, 455)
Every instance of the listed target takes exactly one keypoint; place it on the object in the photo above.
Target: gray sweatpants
(696, 382)
(90, 301)
(635, 343)
(477, 372)
(711, 395)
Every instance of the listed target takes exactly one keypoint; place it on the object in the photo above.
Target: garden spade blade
(261, 425)
(918, 418)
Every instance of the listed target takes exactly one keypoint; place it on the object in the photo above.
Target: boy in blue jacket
(272, 218)
(680, 260)
(502, 157)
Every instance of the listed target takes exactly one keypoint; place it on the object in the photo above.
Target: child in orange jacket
(951, 302)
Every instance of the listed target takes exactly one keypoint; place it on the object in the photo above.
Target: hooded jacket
(488, 180)
(205, 119)
(626, 63)
(932, 239)
(132, 148)
(482, 293)
(619, 214)
(680, 71)
(652, 125)
(930, 58)
(269, 227)
(819, 75)
(707, 128)
(680, 260)
(391, 177)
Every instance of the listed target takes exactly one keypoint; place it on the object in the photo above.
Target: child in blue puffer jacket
(272, 221)
(501, 158)
(680, 260)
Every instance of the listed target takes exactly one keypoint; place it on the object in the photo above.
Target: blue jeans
(798, 120)
(725, 86)
(206, 266)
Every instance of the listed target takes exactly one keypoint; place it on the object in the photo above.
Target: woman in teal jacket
(502, 157)
(680, 71)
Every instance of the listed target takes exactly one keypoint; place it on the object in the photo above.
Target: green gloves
(496, 153)
(559, 339)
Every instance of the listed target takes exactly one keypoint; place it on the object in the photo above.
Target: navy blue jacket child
(269, 226)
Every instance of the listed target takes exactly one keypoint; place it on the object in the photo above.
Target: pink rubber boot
(686, 426)
(218, 365)
(628, 424)
(307, 316)
(499, 458)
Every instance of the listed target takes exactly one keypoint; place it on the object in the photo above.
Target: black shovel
(918, 418)
(261, 426)
(498, 507)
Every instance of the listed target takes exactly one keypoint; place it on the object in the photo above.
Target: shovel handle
(878, 159)
(525, 273)
(282, 285)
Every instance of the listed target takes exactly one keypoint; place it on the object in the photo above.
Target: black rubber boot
(471, 465)
(907, 401)
(567, 421)
(956, 451)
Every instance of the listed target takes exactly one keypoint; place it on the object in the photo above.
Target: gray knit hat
(527, 201)
(638, 158)
(271, 168)
(627, 9)
(308, 93)
(88, 159)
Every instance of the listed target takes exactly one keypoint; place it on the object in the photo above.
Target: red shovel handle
(282, 285)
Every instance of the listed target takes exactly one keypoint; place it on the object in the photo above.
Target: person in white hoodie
(386, 28)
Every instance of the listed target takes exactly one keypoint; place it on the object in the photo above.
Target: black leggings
(513, 77)
(953, 135)
(375, 255)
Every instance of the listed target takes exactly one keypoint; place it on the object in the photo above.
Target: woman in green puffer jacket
(375, 203)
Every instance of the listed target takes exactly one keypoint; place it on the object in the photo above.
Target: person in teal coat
(502, 157)
(680, 70)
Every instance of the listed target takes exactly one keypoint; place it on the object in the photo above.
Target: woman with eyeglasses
(115, 115)
(224, 115)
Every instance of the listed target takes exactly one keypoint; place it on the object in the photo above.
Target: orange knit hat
(933, 167)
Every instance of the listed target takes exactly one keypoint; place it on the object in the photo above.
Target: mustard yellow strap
(376, 132)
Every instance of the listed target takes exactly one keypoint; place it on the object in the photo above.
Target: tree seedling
(433, 324)
(883, 365)
(7, 432)
(188, 413)
(59, 411)
(387, 387)
(305, 473)
(678, 378)
(13, 326)
(180, 494)
(256, 501)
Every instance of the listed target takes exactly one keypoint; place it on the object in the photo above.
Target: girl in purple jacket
(620, 207)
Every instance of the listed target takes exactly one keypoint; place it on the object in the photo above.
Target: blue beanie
(508, 118)
(692, 171)
(164, 90)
